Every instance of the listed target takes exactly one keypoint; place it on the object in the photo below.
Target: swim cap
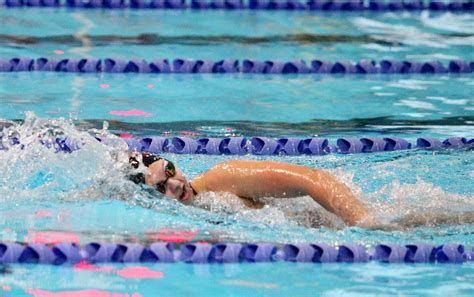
(147, 160)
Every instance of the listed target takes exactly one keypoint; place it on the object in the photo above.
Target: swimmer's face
(166, 178)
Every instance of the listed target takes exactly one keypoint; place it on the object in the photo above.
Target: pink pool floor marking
(130, 113)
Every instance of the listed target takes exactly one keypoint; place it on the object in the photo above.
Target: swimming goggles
(170, 171)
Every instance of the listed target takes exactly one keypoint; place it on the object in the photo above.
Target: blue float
(196, 252)
(260, 145)
(373, 144)
(313, 146)
(263, 146)
(288, 146)
(160, 66)
(455, 142)
(324, 253)
(99, 252)
(299, 252)
(367, 67)
(390, 253)
(419, 253)
(349, 145)
(181, 66)
(449, 253)
(352, 253)
(163, 252)
(182, 145)
(396, 143)
(209, 146)
(225, 253)
(10, 252)
(325, 5)
(158, 252)
(233, 146)
(153, 144)
(128, 252)
(36, 254)
(429, 143)
(66, 253)
(260, 252)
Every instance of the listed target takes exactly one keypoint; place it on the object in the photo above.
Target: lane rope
(259, 145)
(312, 5)
(163, 252)
(180, 66)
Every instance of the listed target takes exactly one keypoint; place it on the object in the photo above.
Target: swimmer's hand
(371, 223)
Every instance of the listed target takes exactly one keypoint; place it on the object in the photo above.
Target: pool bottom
(276, 279)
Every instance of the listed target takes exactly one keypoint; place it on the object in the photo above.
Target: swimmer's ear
(133, 162)
(138, 178)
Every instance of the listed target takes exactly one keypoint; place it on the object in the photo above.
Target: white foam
(459, 23)
(416, 104)
(449, 101)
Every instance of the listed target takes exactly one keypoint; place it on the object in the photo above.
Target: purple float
(160, 66)
(419, 253)
(225, 253)
(449, 253)
(259, 252)
(10, 252)
(395, 144)
(22, 64)
(196, 252)
(429, 143)
(324, 253)
(128, 252)
(36, 254)
(349, 145)
(69, 253)
(288, 146)
(158, 252)
(352, 253)
(99, 252)
(209, 146)
(455, 142)
(182, 145)
(373, 144)
(298, 252)
(366, 67)
(263, 146)
(313, 146)
(233, 146)
(390, 253)
(153, 145)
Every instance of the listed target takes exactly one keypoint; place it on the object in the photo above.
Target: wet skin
(177, 186)
(256, 179)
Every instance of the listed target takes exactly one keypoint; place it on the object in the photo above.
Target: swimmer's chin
(187, 197)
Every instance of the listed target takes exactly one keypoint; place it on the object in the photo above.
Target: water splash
(91, 185)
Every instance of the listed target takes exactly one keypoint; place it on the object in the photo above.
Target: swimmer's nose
(174, 186)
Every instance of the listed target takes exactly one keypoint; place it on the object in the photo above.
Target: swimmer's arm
(255, 179)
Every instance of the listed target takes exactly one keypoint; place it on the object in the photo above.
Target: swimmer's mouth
(183, 197)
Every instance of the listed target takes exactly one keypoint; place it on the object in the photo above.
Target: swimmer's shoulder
(251, 164)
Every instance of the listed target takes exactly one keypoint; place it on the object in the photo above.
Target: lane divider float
(162, 252)
(312, 5)
(180, 66)
(260, 145)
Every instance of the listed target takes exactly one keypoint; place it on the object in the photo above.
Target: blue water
(251, 105)
(42, 191)
(278, 279)
(291, 34)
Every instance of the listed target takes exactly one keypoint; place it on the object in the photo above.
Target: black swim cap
(147, 160)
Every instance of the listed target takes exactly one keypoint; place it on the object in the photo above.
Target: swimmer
(251, 180)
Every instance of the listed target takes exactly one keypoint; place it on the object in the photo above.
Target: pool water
(277, 35)
(50, 197)
(252, 105)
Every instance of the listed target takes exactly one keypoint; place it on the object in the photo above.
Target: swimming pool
(45, 203)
